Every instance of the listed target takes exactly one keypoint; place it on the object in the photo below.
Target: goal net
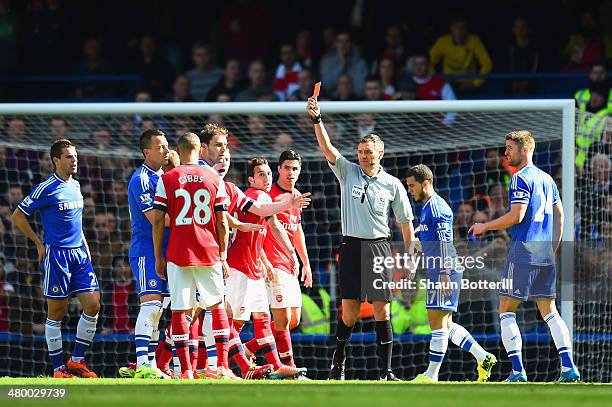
(461, 141)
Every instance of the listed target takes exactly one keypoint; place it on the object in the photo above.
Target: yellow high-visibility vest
(314, 319)
(413, 320)
(583, 96)
(589, 131)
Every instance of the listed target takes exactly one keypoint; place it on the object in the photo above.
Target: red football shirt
(244, 253)
(237, 199)
(290, 219)
(191, 195)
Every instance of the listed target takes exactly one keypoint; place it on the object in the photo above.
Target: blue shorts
(435, 296)
(147, 281)
(67, 271)
(528, 280)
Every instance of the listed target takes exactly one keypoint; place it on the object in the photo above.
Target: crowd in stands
(233, 59)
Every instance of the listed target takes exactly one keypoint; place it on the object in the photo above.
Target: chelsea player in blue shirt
(151, 288)
(443, 278)
(64, 256)
(535, 221)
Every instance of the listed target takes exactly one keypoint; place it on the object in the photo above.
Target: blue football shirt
(61, 210)
(141, 192)
(532, 238)
(436, 234)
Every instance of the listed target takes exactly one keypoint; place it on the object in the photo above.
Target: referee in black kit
(367, 193)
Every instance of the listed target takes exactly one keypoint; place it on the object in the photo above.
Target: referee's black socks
(343, 333)
(384, 343)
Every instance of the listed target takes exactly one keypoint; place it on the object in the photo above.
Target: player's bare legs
(561, 337)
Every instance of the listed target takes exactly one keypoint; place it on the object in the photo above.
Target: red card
(317, 89)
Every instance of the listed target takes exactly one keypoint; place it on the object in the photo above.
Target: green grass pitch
(212, 393)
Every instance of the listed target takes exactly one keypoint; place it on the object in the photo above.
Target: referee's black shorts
(357, 277)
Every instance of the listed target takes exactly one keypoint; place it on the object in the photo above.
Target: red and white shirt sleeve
(161, 199)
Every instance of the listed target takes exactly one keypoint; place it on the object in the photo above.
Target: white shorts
(284, 291)
(245, 295)
(183, 282)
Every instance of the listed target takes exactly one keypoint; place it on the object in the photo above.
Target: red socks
(221, 333)
(283, 343)
(193, 342)
(236, 349)
(163, 355)
(265, 340)
(180, 336)
(202, 352)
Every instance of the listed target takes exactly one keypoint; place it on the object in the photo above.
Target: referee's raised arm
(314, 111)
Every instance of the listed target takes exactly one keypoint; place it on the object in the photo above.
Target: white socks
(511, 337)
(563, 342)
(462, 338)
(437, 350)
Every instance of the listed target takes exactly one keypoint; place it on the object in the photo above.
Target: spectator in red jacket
(431, 87)
(286, 78)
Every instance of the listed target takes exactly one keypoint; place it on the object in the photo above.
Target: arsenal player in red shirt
(195, 200)
(246, 290)
(284, 294)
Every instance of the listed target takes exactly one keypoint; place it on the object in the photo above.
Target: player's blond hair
(188, 142)
(375, 139)
(522, 138)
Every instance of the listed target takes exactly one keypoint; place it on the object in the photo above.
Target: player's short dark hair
(210, 130)
(147, 136)
(289, 155)
(255, 162)
(375, 139)
(57, 147)
(420, 173)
